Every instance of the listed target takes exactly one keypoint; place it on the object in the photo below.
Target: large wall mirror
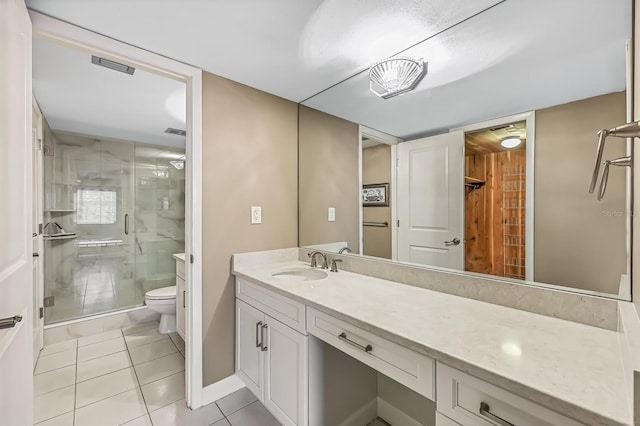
(486, 164)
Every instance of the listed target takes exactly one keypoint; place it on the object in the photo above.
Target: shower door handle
(126, 224)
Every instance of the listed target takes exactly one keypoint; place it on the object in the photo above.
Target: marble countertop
(179, 256)
(571, 368)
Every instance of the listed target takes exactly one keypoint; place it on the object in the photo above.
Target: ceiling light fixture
(510, 141)
(395, 76)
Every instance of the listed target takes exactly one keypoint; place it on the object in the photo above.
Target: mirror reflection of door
(495, 208)
(430, 201)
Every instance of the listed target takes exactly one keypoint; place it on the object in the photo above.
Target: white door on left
(16, 275)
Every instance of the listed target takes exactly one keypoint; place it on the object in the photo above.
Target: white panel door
(286, 374)
(431, 200)
(16, 273)
(249, 354)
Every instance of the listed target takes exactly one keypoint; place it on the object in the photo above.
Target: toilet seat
(162, 293)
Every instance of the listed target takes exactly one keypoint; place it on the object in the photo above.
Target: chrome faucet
(629, 130)
(334, 264)
(314, 263)
(344, 250)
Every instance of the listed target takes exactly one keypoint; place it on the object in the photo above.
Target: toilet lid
(162, 293)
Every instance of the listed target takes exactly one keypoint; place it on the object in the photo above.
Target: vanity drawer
(180, 269)
(282, 308)
(414, 370)
(473, 402)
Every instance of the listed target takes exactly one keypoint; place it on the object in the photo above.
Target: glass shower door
(91, 195)
(159, 215)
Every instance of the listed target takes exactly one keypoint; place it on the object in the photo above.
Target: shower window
(96, 207)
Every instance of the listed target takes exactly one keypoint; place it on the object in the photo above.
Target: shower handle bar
(630, 130)
(126, 224)
(622, 161)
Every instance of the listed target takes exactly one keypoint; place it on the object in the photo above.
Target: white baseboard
(221, 388)
(394, 416)
(363, 415)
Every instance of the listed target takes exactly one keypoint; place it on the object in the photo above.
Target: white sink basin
(301, 274)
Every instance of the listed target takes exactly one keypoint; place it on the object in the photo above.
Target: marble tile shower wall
(90, 185)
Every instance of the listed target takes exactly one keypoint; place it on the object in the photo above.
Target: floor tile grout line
(100, 341)
(110, 372)
(135, 372)
(55, 369)
(103, 399)
(75, 389)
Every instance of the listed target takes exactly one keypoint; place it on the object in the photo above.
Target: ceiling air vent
(173, 131)
(112, 65)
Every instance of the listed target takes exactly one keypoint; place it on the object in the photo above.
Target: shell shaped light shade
(395, 76)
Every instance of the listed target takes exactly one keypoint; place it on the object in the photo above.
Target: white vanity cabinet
(271, 357)
(469, 401)
(181, 297)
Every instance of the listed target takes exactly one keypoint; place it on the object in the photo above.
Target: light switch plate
(331, 215)
(256, 214)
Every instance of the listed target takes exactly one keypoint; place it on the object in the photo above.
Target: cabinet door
(286, 374)
(249, 354)
(181, 303)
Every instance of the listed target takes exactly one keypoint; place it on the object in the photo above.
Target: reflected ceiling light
(395, 76)
(512, 349)
(510, 141)
(176, 105)
(179, 163)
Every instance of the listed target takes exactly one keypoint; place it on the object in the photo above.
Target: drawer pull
(258, 325)
(485, 411)
(343, 336)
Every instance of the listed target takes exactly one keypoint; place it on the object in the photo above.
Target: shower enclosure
(114, 216)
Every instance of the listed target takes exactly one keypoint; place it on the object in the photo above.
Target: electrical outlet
(256, 214)
(331, 215)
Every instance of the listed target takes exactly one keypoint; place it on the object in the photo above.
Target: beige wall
(328, 143)
(249, 157)
(579, 241)
(376, 168)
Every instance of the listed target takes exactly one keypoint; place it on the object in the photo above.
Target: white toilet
(163, 301)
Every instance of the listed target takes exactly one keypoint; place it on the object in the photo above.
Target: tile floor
(133, 377)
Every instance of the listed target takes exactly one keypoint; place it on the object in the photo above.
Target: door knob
(453, 242)
(10, 322)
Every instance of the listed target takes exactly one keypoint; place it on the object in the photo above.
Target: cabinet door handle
(258, 325)
(485, 411)
(184, 296)
(126, 224)
(343, 336)
(264, 347)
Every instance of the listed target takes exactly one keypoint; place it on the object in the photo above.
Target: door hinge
(49, 301)
(191, 258)
(41, 312)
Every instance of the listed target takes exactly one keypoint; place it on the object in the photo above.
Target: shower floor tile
(108, 390)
